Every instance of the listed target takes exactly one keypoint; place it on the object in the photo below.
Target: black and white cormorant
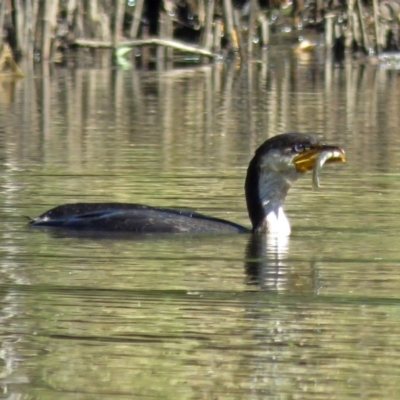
(275, 167)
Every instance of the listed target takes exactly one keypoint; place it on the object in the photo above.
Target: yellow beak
(306, 160)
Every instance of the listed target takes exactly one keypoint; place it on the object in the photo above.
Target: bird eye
(300, 147)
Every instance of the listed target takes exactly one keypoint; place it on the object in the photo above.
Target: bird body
(135, 218)
(275, 167)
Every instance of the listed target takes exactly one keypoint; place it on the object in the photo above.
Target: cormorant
(275, 167)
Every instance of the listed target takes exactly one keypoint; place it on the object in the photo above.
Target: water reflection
(265, 261)
(205, 102)
(200, 316)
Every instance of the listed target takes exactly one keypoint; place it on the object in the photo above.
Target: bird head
(275, 167)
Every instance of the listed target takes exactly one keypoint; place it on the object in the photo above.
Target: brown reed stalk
(230, 24)
(3, 5)
(364, 35)
(118, 21)
(378, 45)
(207, 36)
(50, 8)
(137, 17)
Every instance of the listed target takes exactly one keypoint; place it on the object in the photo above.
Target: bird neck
(265, 195)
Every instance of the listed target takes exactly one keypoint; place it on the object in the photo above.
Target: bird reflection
(268, 267)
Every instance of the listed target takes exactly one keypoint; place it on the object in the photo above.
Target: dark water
(202, 317)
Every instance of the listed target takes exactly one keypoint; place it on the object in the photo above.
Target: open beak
(307, 160)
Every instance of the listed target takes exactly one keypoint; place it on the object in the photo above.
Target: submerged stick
(147, 42)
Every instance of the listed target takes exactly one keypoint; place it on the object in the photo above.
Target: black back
(136, 218)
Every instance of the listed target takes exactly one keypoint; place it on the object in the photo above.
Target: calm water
(202, 317)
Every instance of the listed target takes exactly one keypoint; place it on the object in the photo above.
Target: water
(178, 316)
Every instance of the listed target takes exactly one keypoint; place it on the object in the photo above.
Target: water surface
(209, 316)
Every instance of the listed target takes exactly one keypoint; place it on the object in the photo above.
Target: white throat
(277, 223)
(273, 188)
